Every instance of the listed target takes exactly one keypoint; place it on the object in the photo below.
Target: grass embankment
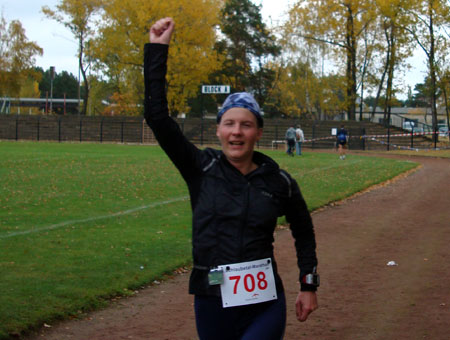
(81, 223)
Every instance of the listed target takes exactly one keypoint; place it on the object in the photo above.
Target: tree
(17, 58)
(422, 93)
(430, 31)
(291, 93)
(29, 89)
(64, 84)
(368, 37)
(301, 80)
(76, 15)
(119, 48)
(248, 46)
(338, 23)
(393, 16)
(102, 90)
(445, 86)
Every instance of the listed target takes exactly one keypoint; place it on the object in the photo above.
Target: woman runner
(236, 196)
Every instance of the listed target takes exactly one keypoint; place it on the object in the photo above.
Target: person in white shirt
(300, 138)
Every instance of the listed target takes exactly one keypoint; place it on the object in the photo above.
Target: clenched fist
(161, 31)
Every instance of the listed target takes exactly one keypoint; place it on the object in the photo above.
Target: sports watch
(312, 279)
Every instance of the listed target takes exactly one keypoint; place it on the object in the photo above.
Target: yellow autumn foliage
(124, 31)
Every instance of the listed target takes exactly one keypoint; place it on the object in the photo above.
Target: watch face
(312, 279)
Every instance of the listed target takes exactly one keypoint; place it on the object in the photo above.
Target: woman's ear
(259, 134)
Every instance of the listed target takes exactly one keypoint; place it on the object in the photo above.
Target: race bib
(248, 283)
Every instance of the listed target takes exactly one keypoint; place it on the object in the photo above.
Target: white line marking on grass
(337, 165)
(95, 218)
(58, 158)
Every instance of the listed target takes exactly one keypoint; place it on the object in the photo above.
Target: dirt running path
(361, 297)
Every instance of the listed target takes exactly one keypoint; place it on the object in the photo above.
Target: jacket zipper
(244, 222)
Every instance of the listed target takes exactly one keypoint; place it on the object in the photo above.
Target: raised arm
(183, 154)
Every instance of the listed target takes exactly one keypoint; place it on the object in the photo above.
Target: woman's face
(238, 133)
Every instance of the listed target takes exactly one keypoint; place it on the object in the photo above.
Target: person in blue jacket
(237, 195)
(341, 140)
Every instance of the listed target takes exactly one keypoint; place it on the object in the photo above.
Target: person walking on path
(290, 140)
(300, 138)
(341, 140)
(236, 196)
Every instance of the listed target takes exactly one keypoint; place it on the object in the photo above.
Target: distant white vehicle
(443, 131)
(412, 126)
(409, 125)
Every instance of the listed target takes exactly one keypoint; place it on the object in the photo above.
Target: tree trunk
(83, 73)
(391, 68)
(351, 67)
(432, 68)
(444, 88)
(367, 57)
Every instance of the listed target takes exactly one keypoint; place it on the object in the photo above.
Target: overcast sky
(60, 49)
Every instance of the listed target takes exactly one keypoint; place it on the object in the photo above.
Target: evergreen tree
(64, 83)
(248, 45)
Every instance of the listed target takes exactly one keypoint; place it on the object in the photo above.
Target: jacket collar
(265, 164)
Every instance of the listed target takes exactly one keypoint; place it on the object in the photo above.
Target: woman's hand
(161, 31)
(306, 304)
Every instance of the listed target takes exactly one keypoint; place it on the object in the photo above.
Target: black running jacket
(233, 215)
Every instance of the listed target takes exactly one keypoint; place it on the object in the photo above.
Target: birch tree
(77, 16)
(430, 27)
(338, 23)
(395, 46)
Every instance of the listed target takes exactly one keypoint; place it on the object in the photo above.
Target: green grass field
(81, 223)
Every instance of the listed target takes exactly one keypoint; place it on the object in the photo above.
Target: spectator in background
(290, 140)
(300, 138)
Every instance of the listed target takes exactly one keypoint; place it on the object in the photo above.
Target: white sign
(214, 89)
(247, 283)
(333, 131)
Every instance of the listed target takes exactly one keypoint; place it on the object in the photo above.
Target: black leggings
(262, 321)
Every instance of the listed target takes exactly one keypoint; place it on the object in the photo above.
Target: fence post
(412, 137)
(17, 127)
(101, 130)
(81, 129)
(202, 127)
(313, 135)
(436, 136)
(59, 129)
(38, 121)
(364, 139)
(389, 137)
(121, 131)
(276, 133)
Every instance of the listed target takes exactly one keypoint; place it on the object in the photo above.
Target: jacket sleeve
(182, 153)
(299, 218)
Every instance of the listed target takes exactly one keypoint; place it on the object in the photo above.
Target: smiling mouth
(237, 143)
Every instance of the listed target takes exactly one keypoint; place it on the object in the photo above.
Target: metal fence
(364, 135)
